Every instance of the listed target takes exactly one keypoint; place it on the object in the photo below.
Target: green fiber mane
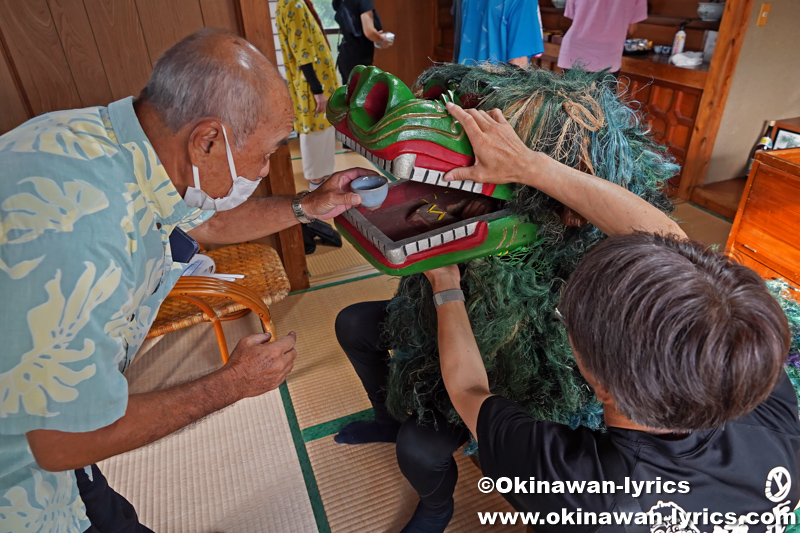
(576, 119)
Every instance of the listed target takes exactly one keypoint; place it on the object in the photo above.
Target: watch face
(424, 222)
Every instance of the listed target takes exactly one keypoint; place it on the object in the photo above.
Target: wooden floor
(721, 197)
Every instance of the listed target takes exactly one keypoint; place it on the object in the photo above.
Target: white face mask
(240, 190)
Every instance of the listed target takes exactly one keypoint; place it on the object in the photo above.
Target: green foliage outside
(325, 11)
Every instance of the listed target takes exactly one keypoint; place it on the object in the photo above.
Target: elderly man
(88, 199)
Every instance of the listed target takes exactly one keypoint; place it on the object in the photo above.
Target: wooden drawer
(747, 260)
(769, 227)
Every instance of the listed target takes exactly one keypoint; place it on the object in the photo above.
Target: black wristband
(311, 78)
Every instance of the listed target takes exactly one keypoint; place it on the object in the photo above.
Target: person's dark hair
(683, 337)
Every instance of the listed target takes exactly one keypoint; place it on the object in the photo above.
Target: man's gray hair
(192, 80)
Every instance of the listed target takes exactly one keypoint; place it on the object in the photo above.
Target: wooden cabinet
(766, 231)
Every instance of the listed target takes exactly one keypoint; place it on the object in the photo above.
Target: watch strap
(297, 207)
(451, 295)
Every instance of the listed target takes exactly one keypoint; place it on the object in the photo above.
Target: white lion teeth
(420, 174)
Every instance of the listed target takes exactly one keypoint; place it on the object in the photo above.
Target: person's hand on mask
(499, 152)
(322, 101)
(334, 197)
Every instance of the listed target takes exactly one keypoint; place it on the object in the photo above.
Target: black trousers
(424, 453)
(108, 511)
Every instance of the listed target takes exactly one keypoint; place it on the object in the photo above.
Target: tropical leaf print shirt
(303, 42)
(86, 210)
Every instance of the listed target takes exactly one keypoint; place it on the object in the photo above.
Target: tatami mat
(328, 261)
(235, 471)
(323, 384)
(363, 489)
(701, 225)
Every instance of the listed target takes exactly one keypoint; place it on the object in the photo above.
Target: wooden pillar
(254, 20)
(715, 94)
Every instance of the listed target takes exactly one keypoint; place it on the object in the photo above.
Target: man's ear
(603, 394)
(202, 139)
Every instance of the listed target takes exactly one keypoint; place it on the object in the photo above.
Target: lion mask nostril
(376, 101)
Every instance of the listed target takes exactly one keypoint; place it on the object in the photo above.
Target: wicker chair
(196, 299)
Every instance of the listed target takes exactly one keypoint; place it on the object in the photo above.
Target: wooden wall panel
(255, 21)
(35, 51)
(15, 110)
(220, 14)
(165, 22)
(116, 28)
(81, 51)
(415, 30)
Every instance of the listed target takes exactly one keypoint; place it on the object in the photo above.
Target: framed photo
(786, 139)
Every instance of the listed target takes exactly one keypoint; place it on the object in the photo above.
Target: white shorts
(318, 151)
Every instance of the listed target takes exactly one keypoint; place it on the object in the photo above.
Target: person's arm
(265, 215)
(521, 62)
(524, 33)
(314, 86)
(462, 367)
(368, 28)
(501, 157)
(255, 367)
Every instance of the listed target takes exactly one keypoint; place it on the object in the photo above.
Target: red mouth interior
(412, 208)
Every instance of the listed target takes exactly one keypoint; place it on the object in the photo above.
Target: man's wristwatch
(297, 207)
(451, 295)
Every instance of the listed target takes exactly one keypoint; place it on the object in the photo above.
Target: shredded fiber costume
(86, 211)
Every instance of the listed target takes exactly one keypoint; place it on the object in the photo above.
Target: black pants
(425, 454)
(107, 510)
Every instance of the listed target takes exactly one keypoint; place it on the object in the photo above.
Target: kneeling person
(683, 346)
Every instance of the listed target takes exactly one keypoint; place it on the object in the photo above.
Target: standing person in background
(597, 35)
(312, 80)
(500, 30)
(362, 32)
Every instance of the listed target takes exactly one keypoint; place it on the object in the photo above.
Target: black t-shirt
(749, 465)
(356, 48)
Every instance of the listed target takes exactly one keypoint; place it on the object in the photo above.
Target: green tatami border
(305, 464)
(332, 427)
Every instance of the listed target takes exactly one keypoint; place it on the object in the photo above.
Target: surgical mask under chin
(240, 190)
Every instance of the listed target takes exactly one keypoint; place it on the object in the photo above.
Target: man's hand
(388, 40)
(258, 366)
(444, 278)
(334, 197)
(255, 367)
(322, 101)
(499, 153)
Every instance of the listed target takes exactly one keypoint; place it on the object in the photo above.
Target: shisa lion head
(411, 137)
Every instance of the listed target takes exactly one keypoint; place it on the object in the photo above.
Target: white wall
(766, 86)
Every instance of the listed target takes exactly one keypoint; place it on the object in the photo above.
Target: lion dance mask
(515, 258)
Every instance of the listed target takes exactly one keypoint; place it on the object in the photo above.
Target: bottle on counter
(765, 143)
(680, 40)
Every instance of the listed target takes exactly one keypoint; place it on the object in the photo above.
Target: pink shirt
(597, 35)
